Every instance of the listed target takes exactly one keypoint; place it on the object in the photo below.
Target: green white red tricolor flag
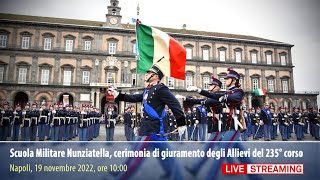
(154, 44)
(260, 92)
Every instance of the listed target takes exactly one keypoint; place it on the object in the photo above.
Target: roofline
(171, 33)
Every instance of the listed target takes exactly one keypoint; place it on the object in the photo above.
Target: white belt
(27, 119)
(75, 118)
(68, 118)
(7, 118)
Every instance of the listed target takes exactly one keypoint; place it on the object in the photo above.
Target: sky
(295, 22)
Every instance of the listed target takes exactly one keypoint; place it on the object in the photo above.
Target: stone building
(55, 59)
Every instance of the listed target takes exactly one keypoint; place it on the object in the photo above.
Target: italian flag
(260, 92)
(153, 45)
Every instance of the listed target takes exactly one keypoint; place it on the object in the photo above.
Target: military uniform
(17, 121)
(35, 114)
(26, 123)
(296, 117)
(274, 126)
(155, 97)
(83, 124)
(110, 119)
(282, 118)
(267, 121)
(314, 120)
(6, 119)
(43, 121)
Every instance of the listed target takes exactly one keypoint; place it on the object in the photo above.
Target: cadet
(282, 118)
(17, 121)
(56, 121)
(43, 121)
(97, 123)
(274, 126)
(314, 119)
(267, 121)
(231, 102)
(84, 124)
(26, 123)
(67, 123)
(48, 125)
(297, 120)
(110, 119)
(155, 96)
(6, 119)
(189, 121)
(35, 113)
(61, 114)
(213, 109)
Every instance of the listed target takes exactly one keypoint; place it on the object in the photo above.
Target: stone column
(263, 79)
(78, 71)
(197, 50)
(56, 70)
(276, 56)
(198, 77)
(230, 53)
(59, 40)
(80, 42)
(246, 54)
(14, 37)
(11, 67)
(291, 86)
(34, 69)
(277, 81)
(214, 51)
(37, 38)
(247, 79)
(261, 56)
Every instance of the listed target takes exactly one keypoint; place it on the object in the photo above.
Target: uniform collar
(232, 88)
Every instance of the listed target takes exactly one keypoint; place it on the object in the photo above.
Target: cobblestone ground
(119, 135)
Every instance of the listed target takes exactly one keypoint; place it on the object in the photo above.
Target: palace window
(87, 45)
(170, 82)
(270, 85)
(1, 73)
(3, 40)
(22, 77)
(189, 80)
(47, 45)
(67, 77)
(85, 77)
(285, 86)
(45, 76)
(206, 81)
(255, 83)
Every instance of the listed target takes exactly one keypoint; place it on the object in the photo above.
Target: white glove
(2, 112)
(24, 113)
(197, 122)
(113, 91)
(181, 130)
(193, 88)
(221, 99)
(178, 96)
(54, 111)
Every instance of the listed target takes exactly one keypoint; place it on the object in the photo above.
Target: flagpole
(137, 57)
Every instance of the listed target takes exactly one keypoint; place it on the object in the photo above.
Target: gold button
(150, 97)
(153, 93)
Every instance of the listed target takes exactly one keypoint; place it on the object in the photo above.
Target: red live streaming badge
(234, 169)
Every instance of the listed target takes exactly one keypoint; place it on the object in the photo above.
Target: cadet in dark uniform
(35, 114)
(43, 121)
(267, 121)
(297, 120)
(110, 119)
(274, 126)
(314, 119)
(83, 124)
(282, 118)
(17, 121)
(213, 109)
(26, 122)
(231, 102)
(154, 98)
(62, 120)
(189, 120)
(6, 119)
(48, 125)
